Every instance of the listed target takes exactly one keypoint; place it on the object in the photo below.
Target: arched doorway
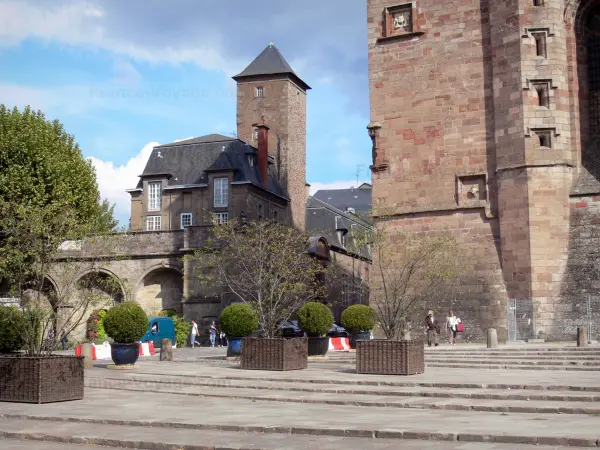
(587, 29)
(161, 288)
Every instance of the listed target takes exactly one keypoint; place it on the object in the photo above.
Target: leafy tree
(49, 196)
(263, 264)
(44, 175)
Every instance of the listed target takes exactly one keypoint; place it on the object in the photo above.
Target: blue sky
(124, 76)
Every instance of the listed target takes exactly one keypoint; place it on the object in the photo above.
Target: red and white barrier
(147, 349)
(339, 344)
(103, 351)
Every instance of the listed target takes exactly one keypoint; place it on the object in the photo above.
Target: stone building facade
(486, 126)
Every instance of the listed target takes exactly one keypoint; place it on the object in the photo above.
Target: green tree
(263, 264)
(48, 196)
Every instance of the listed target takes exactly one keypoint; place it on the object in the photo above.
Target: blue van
(160, 328)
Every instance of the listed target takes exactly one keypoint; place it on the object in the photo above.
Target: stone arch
(104, 280)
(160, 287)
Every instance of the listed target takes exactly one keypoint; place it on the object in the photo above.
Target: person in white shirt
(194, 333)
(451, 324)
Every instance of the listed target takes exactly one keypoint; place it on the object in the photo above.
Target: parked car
(337, 331)
(291, 329)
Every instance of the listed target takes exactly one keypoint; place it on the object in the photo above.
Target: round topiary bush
(238, 320)
(358, 319)
(126, 323)
(12, 329)
(315, 319)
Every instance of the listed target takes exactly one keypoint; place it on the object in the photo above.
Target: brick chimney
(263, 151)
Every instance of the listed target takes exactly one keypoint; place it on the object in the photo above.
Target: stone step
(269, 431)
(49, 435)
(479, 380)
(368, 400)
(508, 366)
(444, 391)
(527, 362)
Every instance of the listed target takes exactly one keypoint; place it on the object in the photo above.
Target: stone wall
(582, 281)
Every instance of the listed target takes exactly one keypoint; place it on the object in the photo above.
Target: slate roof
(360, 199)
(188, 162)
(270, 62)
(321, 221)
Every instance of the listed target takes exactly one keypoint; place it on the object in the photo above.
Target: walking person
(452, 326)
(195, 332)
(431, 325)
(213, 333)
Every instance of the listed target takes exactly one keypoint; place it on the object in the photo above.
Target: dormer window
(221, 192)
(251, 160)
(259, 92)
(154, 195)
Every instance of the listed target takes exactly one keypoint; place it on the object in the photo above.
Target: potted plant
(315, 320)
(125, 323)
(237, 321)
(267, 266)
(408, 272)
(358, 320)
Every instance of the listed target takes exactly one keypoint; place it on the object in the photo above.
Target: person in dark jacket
(431, 326)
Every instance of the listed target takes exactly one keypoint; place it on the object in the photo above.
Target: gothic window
(540, 44)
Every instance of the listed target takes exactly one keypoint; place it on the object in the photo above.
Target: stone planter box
(274, 354)
(390, 357)
(41, 379)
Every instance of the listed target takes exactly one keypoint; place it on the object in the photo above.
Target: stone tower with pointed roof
(269, 89)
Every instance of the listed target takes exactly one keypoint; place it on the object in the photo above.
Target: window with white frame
(221, 192)
(154, 194)
(186, 220)
(153, 223)
(255, 134)
(259, 92)
(221, 218)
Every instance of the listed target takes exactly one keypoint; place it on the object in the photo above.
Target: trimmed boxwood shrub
(12, 329)
(126, 323)
(238, 320)
(315, 319)
(358, 319)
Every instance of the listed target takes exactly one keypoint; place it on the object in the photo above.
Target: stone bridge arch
(160, 287)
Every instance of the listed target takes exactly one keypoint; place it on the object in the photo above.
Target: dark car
(290, 329)
(337, 331)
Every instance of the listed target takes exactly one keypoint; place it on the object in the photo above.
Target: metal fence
(520, 320)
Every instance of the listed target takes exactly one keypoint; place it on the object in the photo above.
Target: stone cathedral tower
(485, 122)
(268, 89)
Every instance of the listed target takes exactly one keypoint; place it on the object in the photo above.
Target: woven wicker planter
(41, 379)
(390, 357)
(274, 354)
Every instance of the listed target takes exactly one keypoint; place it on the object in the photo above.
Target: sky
(124, 76)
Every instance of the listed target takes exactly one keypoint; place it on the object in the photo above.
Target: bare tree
(263, 264)
(408, 271)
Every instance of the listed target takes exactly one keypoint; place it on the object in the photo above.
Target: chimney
(263, 151)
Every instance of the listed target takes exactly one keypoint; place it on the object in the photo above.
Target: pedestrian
(452, 326)
(64, 341)
(213, 333)
(195, 332)
(431, 325)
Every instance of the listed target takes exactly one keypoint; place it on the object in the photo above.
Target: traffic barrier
(103, 351)
(339, 344)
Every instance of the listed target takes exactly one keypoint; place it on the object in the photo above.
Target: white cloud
(86, 25)
(314, 187)
(113, 181)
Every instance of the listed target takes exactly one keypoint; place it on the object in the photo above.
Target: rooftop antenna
(359, 169)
